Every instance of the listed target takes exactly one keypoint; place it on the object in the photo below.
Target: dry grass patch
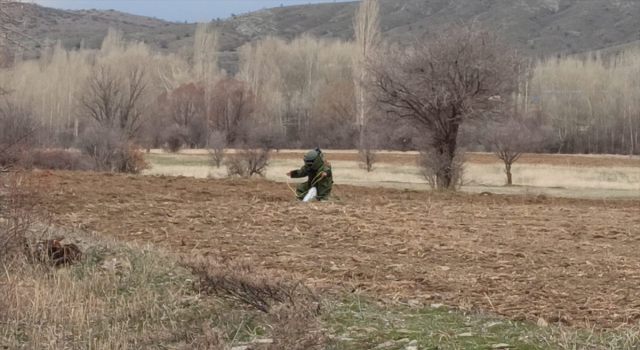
(120, 296)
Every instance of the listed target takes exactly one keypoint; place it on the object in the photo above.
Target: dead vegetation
(248, 162)
(53, 252)
(245, 283)
(521, 257)
(293, 308)
(20, 197)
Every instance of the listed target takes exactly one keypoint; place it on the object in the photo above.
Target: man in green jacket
(319, 173)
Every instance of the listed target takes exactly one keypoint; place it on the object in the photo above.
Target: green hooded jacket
(314, 166)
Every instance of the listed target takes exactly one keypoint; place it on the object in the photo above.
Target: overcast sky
(177, 10)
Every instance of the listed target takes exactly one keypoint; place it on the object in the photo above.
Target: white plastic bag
(311, 195)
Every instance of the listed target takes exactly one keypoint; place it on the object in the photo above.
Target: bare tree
(331, 118)
(456, 76)
(508, 140)
(233, 104)
(367, 34)
(114, 99)
(368, 153)
(182, 115)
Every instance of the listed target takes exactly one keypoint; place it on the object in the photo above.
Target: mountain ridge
(534, 27)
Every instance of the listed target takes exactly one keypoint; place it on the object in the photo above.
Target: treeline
(297, 94)
(592, 104)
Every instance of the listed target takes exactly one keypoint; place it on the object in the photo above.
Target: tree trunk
(508, 171)
(447, 153)
(361, 138)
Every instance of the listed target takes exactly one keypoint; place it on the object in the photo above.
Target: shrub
(134, 161)
(59, 160)
(236, 166)
(241, 281)
(111, 151)
(17, 134)
(249, 162)
(292, 307)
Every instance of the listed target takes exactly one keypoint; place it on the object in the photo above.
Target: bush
(292, 307)
(134, 161)
(248, 162)
(254, 157)
(111, 151)
(216, 147)
(59, 160)
(17, 134)
(236, 166)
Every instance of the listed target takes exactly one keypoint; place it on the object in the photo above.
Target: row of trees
(593, 105)
(461, 88)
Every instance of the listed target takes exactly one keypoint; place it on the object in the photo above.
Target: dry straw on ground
(525, 257)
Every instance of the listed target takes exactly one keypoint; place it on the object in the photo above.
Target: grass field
(395, 267)
(574, 176)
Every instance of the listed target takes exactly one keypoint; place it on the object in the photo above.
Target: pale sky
(177, 10)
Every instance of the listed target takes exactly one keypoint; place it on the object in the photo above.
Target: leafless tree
(233, 104)
(114, 99)
(509, 139)
(509, 142)
(187, 104)
(366, 25)
(458, 75)
(182, 115)
(368, 154)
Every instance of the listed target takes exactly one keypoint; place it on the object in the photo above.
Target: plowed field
(573, 261)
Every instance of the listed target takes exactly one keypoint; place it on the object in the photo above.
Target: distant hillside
(536, 27)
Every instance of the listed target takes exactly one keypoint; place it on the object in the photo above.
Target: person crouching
(319, 176)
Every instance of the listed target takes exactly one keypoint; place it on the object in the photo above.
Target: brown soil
(484, 158)
(518, 256)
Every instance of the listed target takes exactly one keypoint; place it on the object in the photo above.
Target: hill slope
(536, 27)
